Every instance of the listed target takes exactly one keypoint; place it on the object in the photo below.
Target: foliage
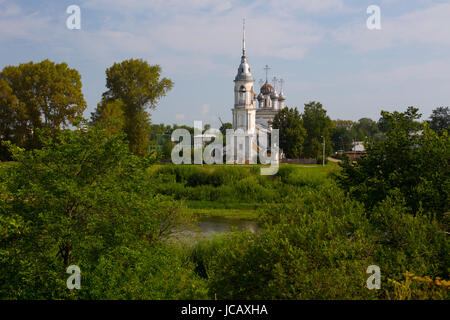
(223, 128)
(157, 272)
(167, 149)
(412, 159)
(409, 241)
(341, 138)
(318, 127)
(365, 129)
(292, 134)
(440, 119)
(419, 288)
(319, 245)
(111, 115)
(235, 185)
(316, 247)
(138, 85)
(344, 132)
(83, 199)
(38, 95)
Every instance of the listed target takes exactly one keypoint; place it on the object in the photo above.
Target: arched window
(242, 93)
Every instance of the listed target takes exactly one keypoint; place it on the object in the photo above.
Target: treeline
(48, 95)
(302, 135)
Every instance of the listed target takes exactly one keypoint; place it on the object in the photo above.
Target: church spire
(243, 38)
(266, 68)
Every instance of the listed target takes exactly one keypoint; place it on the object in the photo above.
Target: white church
(254, 113)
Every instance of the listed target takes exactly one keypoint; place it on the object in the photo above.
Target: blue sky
(322, 49)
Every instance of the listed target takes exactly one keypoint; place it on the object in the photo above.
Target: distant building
(358, 146)
(357, 151)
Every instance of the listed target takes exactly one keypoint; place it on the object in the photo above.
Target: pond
(207, 227)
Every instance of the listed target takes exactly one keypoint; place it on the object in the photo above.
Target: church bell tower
(244, 111)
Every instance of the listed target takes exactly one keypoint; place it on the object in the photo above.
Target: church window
(242, 93)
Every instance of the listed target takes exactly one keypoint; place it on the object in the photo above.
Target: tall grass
(238, 187)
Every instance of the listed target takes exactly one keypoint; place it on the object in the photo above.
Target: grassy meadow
(233, 191)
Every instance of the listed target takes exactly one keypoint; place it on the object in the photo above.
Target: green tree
(292, 133)
(440, 119)
(83, 199)
(223, 128)
(412, 159)
(318, 127)
(111, 115)
(167, 149)
(138, 85)
(49, 96)
(12, 117)
(341, 138)
(365, 129)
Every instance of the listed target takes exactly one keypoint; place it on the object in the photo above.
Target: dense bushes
(158, 272)
(413, 160)
(310, 248)
(409, 242)
(318, 246)
(69, 203)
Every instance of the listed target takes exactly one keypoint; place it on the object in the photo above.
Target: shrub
(309, 249)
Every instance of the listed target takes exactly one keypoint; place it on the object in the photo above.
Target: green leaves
(412, 159)
(292, 133)
(38, 95)
(138, 86)
(318, 127)
(78, 200)
(310, 248)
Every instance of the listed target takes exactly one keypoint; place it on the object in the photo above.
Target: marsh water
(207, 227)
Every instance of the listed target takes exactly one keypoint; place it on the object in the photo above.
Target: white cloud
(16, 24)
(159, 6)
(306, 6)
(179, 116)
(213, 27)
(426, 26)
(436, 72)
(191, 32)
